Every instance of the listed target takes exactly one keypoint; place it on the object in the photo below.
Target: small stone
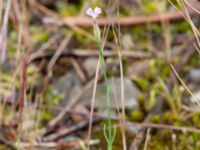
(138, 68)
(80, 113)
(67, 85)
(194, 75)
(127, 42)
(131, 93)
(90, 65)
(196, 97)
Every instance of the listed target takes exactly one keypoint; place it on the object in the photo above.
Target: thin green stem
(108, 103)
(107, 85)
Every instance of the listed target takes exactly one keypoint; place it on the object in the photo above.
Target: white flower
(94, 13)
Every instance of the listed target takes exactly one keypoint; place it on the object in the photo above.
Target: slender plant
(109, 134)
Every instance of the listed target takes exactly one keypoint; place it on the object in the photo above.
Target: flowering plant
(94, 13)
(109, 134)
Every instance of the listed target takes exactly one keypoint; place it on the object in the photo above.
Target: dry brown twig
(57, 145)
(94, 53)
(66, 131)
(124, 21)
(70, 105)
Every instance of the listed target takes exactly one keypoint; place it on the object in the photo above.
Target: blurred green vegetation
(141, 37)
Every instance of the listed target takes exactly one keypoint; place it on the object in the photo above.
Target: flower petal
(90, 12)
(97, 11)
